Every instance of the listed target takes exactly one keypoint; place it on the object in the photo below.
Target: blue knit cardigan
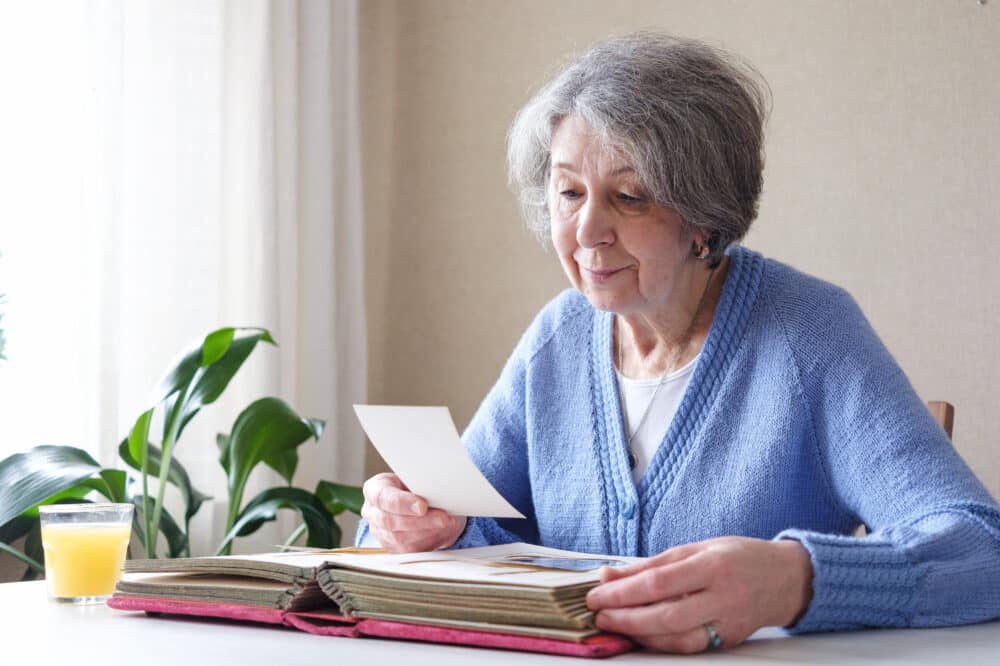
(797, 424)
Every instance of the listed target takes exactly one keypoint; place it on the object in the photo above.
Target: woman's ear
(700, 248)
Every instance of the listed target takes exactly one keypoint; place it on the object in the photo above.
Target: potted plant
(267, 431)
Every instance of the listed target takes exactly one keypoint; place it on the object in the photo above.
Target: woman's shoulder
(818, 320)
(568, 313)
(801, 299)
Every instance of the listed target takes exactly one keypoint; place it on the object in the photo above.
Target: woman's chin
(606, 300)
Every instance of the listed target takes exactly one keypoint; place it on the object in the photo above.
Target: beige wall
(883, 176)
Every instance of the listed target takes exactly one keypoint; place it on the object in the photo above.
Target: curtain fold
(222, 187)
(285, 240)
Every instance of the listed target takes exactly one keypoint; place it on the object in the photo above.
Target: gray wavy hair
(689, 117)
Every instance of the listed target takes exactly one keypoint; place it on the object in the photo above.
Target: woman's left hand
(735, 584)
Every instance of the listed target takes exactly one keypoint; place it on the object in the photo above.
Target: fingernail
(415, 508)
(441, 522)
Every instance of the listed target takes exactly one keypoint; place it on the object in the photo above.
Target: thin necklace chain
(681, 346)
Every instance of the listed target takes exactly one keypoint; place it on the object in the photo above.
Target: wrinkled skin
(402, 522)
(737, 584)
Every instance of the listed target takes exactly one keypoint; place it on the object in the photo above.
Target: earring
(700, 251)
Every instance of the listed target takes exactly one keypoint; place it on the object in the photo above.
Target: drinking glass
(85, 546)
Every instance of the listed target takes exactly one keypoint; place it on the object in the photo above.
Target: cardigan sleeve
(496, 440)
(932, 555)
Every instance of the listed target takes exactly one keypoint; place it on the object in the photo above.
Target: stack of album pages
(515, 595)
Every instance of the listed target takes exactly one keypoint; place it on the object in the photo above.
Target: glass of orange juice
(85, 547)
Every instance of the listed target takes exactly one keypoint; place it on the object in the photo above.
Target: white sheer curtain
(205, 154)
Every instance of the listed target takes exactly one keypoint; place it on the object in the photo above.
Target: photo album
(515, 596)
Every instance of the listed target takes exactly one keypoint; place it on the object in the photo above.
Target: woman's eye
(628, 198)
(569, 194)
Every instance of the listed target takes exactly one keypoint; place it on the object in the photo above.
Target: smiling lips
(600, 276)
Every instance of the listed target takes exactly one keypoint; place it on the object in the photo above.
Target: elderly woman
(692, 401)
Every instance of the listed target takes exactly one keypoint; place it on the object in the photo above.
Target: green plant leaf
(261, 432)
(33, 549)
(205, 353)
(177, 540)
(214, 379)
(283, 462)
(167, 410)
(138, 527)
(32, 477)
(138, 439)
(222, 441)
(177, 475)
(34, 566)
(216, 344)
(337, 497)
(73, 495)
(211, 380)
(198, 379)
(116, 485)
(16, 528)
(322, 531)
(110, 483)
(180, 375)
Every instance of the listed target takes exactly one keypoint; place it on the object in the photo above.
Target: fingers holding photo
(402, 521)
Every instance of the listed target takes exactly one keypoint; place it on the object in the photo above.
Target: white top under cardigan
(636, 395)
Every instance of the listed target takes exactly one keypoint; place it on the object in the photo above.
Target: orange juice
(84, 559)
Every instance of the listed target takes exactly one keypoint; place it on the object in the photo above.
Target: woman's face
(624, 253)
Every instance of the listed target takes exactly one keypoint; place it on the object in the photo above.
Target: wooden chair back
(944, 414)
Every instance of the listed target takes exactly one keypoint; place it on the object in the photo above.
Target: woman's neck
(650, 345)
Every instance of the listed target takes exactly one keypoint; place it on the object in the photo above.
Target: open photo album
(515, 596)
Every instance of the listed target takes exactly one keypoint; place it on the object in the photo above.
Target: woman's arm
(496, 440)
(933, 553)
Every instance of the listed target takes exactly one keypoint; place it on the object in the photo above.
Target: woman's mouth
(599, 276)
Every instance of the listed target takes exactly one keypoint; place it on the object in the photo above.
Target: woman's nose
(593, 225)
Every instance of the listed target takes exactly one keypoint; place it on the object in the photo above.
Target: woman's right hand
(402, 522)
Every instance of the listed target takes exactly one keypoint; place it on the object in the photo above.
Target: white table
(35, 631)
